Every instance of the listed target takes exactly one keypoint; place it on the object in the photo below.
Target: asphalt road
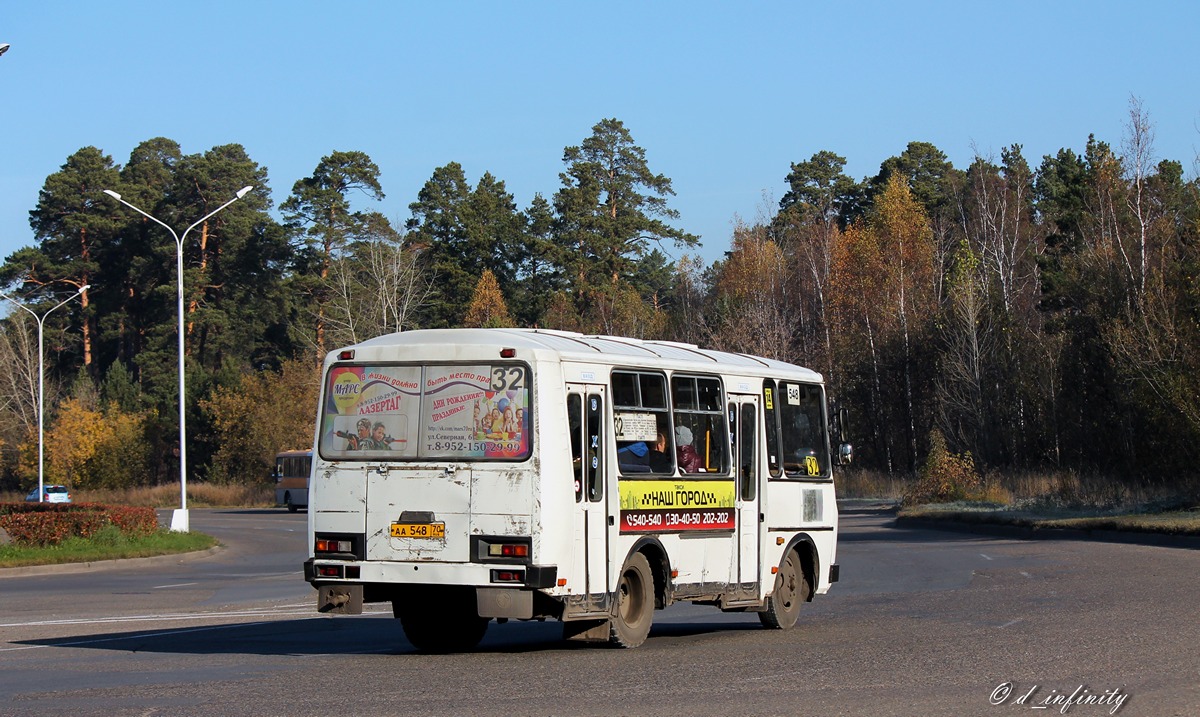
(922, 623)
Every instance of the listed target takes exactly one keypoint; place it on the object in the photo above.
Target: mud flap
(340, 599)
(586, 630)
(504, 602)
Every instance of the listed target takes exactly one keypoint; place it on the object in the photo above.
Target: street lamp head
(113, 194)
(83, 288)
(242, 192)
(3, 47)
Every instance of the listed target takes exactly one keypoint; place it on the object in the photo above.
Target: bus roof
(609, 349)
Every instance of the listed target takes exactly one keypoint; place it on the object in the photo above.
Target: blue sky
(722, 96)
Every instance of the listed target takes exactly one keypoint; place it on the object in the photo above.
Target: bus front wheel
(791, 590)
(634, 608)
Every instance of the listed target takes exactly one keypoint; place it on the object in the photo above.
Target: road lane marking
(1010, 623)
(985, 557)
(177, 585)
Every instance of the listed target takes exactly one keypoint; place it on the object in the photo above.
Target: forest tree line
(1036, 317)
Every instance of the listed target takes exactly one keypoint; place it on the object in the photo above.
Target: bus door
(585, 410)
(743, 424)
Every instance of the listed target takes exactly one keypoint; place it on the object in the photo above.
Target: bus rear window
(447, 412)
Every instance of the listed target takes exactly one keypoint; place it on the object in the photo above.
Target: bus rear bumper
(506, 592)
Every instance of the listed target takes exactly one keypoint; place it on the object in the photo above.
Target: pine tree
(487, 308)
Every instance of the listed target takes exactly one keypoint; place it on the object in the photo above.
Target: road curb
(1033, 532)
(67, 568)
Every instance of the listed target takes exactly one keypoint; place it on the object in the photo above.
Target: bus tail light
(508, 576)
(329, 571)
(326, 545)
(347, 355)
(502, 548)
(508, 353)
(508, 550)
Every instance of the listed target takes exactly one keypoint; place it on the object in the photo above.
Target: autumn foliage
(52, 523)
(260, 415)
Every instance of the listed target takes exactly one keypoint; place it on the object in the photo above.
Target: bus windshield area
(407, 412)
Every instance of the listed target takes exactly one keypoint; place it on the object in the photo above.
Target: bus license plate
(418, 530)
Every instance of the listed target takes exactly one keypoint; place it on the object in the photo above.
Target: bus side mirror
(845, 454)
(845, 450)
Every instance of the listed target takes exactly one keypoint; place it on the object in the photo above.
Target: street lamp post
(179, 519)
(41, 323)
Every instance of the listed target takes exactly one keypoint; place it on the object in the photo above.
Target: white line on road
(177, 585)
(985, 557)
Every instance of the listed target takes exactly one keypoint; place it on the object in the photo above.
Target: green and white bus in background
(465, 475)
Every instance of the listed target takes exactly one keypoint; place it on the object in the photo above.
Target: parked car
(51, 494)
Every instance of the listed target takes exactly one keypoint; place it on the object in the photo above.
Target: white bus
(465, 475)
(292, 469)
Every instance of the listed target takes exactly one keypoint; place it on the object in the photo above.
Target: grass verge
(107, 544)
(1170, 522)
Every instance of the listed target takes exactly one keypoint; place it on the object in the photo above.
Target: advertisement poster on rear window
(449, 412)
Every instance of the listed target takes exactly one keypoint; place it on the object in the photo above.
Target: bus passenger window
(642, 423)
(701, 428)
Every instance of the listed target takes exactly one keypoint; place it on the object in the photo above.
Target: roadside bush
(50, 524)
(134, 521)
(946, 477)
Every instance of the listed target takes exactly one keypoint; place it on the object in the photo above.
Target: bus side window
(595, 468)
(575, 426)
(701, 429)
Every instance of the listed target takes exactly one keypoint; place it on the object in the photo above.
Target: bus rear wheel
(442, 623)
(791, 590)
(634, 609)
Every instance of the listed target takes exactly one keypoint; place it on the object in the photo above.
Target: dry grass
(200, 495)
(860, 483)
(1040, 491)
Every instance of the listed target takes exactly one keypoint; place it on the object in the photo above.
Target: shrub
(945, 477)
(135, 521)
(52, 523)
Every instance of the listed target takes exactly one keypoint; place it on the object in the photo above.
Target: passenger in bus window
(660, 454)
(634, 457)
(689, 460)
